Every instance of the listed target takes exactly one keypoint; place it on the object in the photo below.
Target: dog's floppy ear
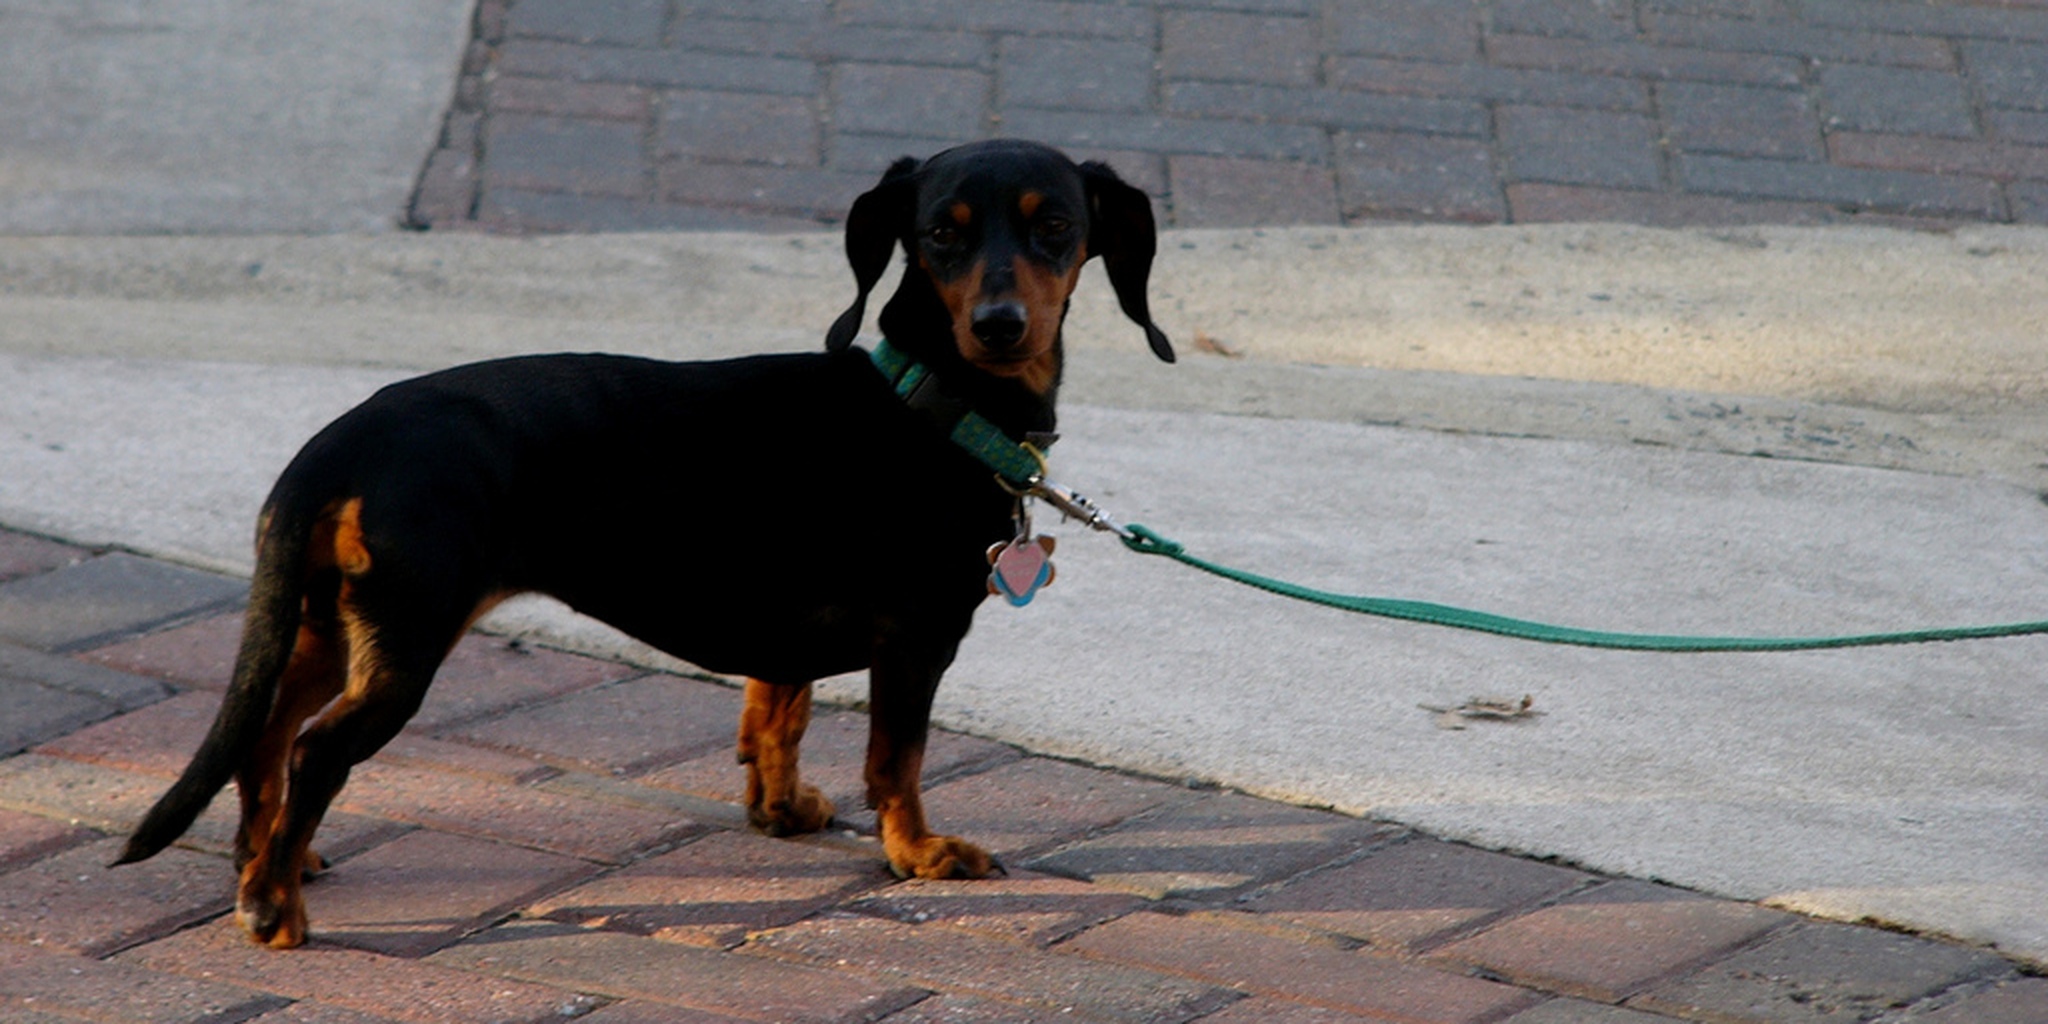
(879, 217)
(1120, 230)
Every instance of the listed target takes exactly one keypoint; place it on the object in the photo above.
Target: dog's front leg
(901, 685)
(771, 726)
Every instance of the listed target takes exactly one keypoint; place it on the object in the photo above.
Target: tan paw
(941, 857)
(277, 923)
(807, 811)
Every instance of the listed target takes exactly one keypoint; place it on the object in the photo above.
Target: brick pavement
(554, 838)
(661, 114)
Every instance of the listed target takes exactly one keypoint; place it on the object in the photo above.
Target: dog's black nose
(999, 325)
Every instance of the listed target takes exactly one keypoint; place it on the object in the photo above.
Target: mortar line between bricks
(1497, 151)
(1700, 963)
(1793, 921)
(1667, 158)
(1426, 950)
(1402, 836)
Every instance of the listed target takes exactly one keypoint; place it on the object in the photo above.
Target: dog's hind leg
(313, 678)
(771, 726)
(396, 631)
(384, 689)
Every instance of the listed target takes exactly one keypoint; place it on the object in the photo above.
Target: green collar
(1019, 465)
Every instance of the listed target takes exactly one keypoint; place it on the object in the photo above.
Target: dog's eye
(944, 236)
(1052, 229)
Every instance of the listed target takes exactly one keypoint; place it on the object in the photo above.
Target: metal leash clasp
(1071, 504)
(1077, 507)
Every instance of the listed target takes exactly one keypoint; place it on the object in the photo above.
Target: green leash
(1021, 470)
(1145, 541)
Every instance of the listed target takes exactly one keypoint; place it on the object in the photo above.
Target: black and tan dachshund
(781, 517)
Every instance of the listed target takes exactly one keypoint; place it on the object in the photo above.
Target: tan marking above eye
(1029, 202)
(961, 213)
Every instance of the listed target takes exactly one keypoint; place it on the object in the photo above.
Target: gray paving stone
(30, 714)
(1643, 60)
(2009, 74)
(1159, 134)
(1485, 82)
(1328, 107)
(581, 155)
(1229, 46)
(529, 210)
(1575, 147)
(1399, 175)
(546, 58)
(715, 125)
(119, 690)
(1896, 100)
(1402, 28)
(1578, 20)
(1741, 120)
(1897, 191)
(1083, 74)
(1031, 17)
(905, 99)
(814, 39)
(1904, 16)
(2024, 126)
(626, 22)
(96, 600)
(1794, 40)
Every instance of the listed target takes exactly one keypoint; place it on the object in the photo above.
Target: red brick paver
(1308, 972)
(1610, 942)
(398, 989)
(24, 555)
(630, 966)
(622, 728)
(1022, 905)
(424, 890)
(494, 867)
(718, 890)
(1413, 894)
(73, 902)
(35, 981)
(935, 957)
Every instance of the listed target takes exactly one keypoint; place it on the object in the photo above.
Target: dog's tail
(269, 632)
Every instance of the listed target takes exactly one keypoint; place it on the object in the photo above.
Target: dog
(793, 518)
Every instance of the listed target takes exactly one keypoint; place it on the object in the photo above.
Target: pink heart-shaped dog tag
(1019, 568)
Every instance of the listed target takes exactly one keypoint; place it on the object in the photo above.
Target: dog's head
(996, 232)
